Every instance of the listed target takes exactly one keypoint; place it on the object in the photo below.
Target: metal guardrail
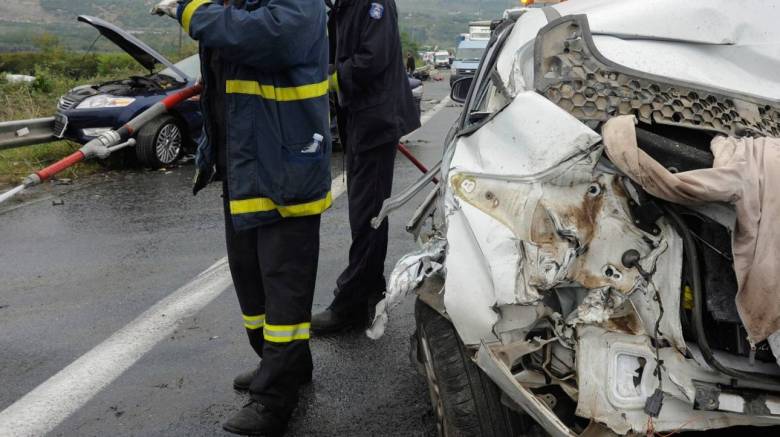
(26, 132)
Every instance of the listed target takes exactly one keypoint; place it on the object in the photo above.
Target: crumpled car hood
(714, 43)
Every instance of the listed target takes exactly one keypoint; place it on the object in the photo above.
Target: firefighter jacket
(374, 93)
(274, 84)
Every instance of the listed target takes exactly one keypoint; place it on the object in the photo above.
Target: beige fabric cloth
(746, 173)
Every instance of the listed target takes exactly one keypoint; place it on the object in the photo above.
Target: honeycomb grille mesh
(571, 73)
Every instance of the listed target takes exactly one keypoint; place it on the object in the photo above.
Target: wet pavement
(79, 262)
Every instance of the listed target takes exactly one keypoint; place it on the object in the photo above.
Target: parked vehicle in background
(467, 58)
(479, 30)
(552, 287)
(89, 110)
(441, 59)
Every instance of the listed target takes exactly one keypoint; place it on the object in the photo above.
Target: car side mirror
(460, 89)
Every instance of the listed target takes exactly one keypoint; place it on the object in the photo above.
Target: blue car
(88, 110)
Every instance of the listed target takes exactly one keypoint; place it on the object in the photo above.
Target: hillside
(434, 22)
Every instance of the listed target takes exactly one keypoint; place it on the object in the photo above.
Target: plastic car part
(572, 73)
(740, 379)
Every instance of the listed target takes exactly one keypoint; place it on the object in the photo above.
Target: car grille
(60, 125)
(66, 103)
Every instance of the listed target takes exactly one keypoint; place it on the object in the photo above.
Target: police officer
(376, 109)
(265, 108)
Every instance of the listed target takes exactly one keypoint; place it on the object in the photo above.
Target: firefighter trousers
(274, 269)
(369, 183)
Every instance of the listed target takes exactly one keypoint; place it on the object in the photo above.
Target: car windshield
(190, 66)
(469, 54)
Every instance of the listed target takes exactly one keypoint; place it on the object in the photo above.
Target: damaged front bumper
(558, 271)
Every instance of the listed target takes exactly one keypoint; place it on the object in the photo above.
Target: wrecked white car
(554, 287)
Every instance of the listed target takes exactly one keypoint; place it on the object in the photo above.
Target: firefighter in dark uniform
(375, 110)
(265, 109)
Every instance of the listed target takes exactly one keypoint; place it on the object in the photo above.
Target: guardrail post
(21, 133)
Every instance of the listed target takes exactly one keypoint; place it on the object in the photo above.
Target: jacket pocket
(306, 175)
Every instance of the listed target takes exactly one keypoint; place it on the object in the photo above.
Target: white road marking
(338, 186)
(435, 110)
(43, 409)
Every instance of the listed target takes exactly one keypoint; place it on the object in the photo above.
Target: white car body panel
(532, 213)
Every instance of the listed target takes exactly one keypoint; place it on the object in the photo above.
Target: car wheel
(159, 143)
(465, 401)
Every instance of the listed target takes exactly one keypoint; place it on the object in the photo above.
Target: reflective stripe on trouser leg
(254, 322)
(288, 251)
(286, 333)
(245, 269)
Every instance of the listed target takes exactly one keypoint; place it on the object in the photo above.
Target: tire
(465, 401)
(160, 142)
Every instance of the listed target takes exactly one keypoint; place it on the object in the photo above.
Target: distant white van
(441, 59)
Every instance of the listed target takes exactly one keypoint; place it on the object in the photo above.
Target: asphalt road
(78, 263)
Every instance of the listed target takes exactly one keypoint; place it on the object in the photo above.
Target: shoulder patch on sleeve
(377, 11)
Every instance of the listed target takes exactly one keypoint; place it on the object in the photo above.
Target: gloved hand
(201, 180)
(166, 7)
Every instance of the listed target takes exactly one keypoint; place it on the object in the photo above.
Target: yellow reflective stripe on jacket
(189, 11)
(333, 82)
(286, 333)
(264, 204)
(254, 322)
(280, 94)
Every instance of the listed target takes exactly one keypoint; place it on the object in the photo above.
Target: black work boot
(244, 380)
(256, 420)
(330, 322)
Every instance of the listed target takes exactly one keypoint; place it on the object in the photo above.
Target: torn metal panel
(571, 234)
(531, 21)
(469, 294)
(529, 136)
(711, 43)
(501, 252)
(516, 321)
(409, 272)
(667, 280)
(737, 44)
(572, 72)
(534, 407)
(616, 376)
(709, 22)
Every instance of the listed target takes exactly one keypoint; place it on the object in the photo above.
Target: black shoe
(244, 380)
(256, 420)
(329, 322)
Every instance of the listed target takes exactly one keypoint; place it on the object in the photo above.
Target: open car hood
(142, 53)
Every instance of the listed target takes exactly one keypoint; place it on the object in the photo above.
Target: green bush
(111, 63)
